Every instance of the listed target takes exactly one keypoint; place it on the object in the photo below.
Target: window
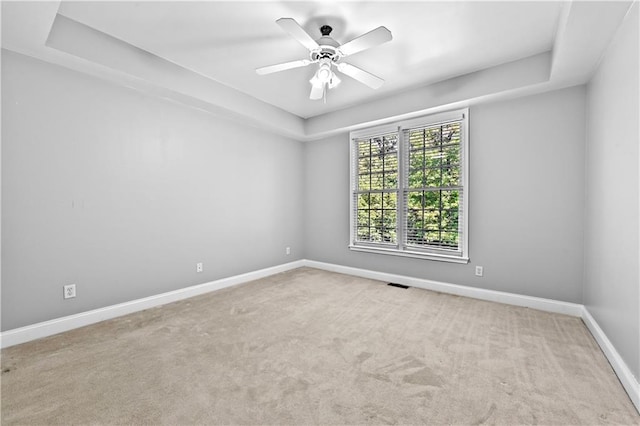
(409, 186)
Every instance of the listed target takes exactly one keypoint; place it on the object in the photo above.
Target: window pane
(375, 201)
(363, 218)
(430, 237)
(451, 155)
(376, 181)
(389, 220)
(384, 145)
(433, 177)
(363, 182)
(449, 220)
(434, 156)
(450, 176)
(364, 165)
(416, 140)
(364, 148)
(378, 161)
(390, 180)
(363, 233)
(416, 160)
(432, 218)
(390, 200)
(375, 235)
(376, 164)
(415, 219)
(432, 199)
(391, 162)
(416, 178)
(363, 201)
(449, 239)
(415, 200)
(449, 199)
(377, 217)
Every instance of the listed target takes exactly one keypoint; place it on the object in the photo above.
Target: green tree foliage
(378, 176)
(432, 187)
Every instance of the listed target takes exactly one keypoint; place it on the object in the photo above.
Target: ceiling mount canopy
(328, 53)
(325, 30)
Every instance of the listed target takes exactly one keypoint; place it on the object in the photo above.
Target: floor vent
(398, 285)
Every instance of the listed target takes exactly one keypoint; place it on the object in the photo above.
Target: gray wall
(122, 194)
(612, 281)
(526, 201)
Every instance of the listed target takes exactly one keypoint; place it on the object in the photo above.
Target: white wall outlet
(287, 251)
(199, 267)
(479, 271)
(69, 291)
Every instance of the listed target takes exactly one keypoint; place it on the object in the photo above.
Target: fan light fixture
(334, 81)
(327, 52)
(324, 72)
(324, 75)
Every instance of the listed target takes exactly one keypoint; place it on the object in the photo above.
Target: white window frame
(399, 249)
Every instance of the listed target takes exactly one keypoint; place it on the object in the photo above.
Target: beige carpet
(313, 347)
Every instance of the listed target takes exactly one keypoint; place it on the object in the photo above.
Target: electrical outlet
(287, 251)
(69, 291)
(199, 267)
(479, 271)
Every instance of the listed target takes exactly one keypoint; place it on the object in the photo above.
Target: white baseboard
(629, 382)
(59, 325)
(539, 303)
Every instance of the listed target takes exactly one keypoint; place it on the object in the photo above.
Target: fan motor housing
(327, 41)
(328, 47)
(325, 52)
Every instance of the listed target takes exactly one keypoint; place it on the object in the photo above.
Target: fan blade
(360, 75)
(281, 67)
(296, 31)
(371, 39)
(317, 90)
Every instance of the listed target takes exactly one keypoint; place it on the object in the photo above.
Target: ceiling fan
(326, 52)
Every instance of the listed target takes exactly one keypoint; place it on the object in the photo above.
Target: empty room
(325, 212)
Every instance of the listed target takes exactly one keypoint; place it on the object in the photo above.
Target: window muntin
(408, 188)
(376, 192)
(433, 190)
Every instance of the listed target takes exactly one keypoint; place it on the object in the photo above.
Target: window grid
(421, 210)
(437, 149)
(376, 191)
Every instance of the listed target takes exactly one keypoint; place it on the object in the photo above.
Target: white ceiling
(228, 41)
(205, 53)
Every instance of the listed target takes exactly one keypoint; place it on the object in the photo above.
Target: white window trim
(397, 249)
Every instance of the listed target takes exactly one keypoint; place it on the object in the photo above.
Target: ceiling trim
(419, 101)
(36, 29)
(95, 46)
(584, 33)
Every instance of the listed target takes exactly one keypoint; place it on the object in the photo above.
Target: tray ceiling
(218, 45)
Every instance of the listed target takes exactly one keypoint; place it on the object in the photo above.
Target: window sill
(413, 254)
